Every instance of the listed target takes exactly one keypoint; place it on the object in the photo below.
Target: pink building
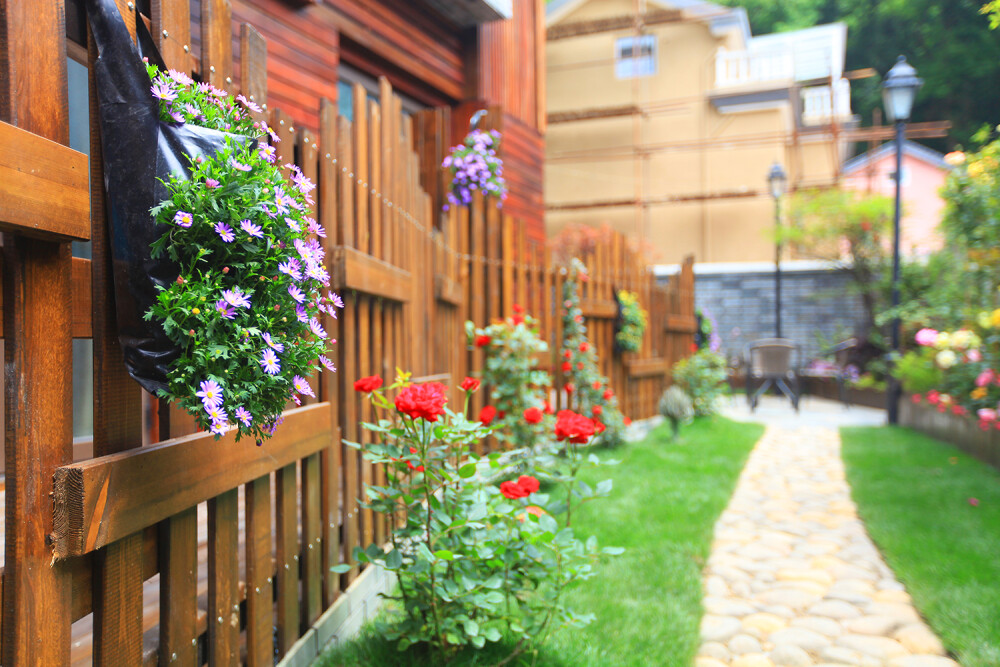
(924, 171)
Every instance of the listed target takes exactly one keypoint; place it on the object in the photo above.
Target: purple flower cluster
(475, 166)
(184, 101)
(211, 396)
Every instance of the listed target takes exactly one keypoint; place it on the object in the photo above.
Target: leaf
(471, 628)
(604, 487)
(444, 554)
(394, 560)
(492, 634)
(466, 471)
(340, 569)
(613, 551)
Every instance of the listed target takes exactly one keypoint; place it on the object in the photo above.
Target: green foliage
(702, 376)
(475, 562)
(245, 326)
(590, 392)
(676, 407)
(632, 324)
(511, 371)
(917, 371)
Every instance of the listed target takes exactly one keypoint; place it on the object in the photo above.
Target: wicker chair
(772, 362)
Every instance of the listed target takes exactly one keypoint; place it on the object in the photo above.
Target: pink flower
(926, 337)
(974, 502)
(986, 378)
(211, 183)
(986, 415)
(974, 356)
(933, 397)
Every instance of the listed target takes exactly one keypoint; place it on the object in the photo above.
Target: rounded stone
(890, 595)
(788, 597)
(917, 638)
(882, 626)
(752, 660)
(742, 643)
(789, 655)
(815, 576)
(880, 648)
(840, 655)
(719, 628)
(727, 606)
(824, 626)
(801, 637)
(764, 623)
(835, 609)
(904, 612)
(715, 585)
(715, 650)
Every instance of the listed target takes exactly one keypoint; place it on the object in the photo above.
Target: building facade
(665, 117)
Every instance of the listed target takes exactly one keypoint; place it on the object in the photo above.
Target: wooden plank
(598, 308)
(286, 526)
(223, 646)
(253, 64)
(311, 541)
(178, 589)
(259, 566)
(216, 42)
(80, 297)
(103, 499)
(172, 32)
(37, 353)
(351, 269)
(44, 189)
(448, 290)
(508, 259)
(640, 368)
(681, 324)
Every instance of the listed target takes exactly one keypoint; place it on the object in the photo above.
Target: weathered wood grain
(352, 269)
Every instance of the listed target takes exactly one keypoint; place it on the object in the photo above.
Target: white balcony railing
(740, 68)
(823, 104)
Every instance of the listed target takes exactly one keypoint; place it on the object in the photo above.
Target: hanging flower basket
(630, 325)
(474, 165)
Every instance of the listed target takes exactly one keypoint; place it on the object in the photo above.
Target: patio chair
(838, 370)
(772, 362)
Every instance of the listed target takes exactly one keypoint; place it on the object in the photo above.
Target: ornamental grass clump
(246, 307)
(631, 323)
(677, 408)
(518, 409)
(586, 389)
(474, 165)
(475, 561)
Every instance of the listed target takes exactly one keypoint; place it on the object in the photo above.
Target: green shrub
(917, 371)
(702, 376)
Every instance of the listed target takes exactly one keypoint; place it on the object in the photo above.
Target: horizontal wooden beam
(104, 499)
(638, 368)
(44, 187)
(681, 324)
(351, 269)
(449, 291)
(613, 24)
(80, 294)
(592, 114)
(600, 308)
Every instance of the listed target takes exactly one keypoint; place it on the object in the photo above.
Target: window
(635, 56)
(348, 76)
(891, 175)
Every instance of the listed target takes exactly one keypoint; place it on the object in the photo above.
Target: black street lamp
(777, 181)
(898, 92)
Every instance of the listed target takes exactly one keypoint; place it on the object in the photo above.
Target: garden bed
(961, 431)
(823, 387)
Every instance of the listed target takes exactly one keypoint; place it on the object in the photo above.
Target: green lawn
(914, 493)
(666, 499)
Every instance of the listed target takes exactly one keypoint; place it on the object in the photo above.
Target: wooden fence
(191, 550)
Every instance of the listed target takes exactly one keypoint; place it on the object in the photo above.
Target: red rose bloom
(469, 384)
(608, 394)
(548, 408)
(958, 410)
(501, 414)
(573, 427)
(528, 483)
(598, 427)
(368, 384)
(597, 385)
(584, 346)
(483, 340)
(409, 464)
(567, 367)
(569, 387)
(567, 354)
(916, 398)
(578, 319)
(423, 401)
(627, 421)
(487, 414)
(933, 397)
(597, 410)
(517, 319)
(513, 490)
(532, 415)
(518, 309)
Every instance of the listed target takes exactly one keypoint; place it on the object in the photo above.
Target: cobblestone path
(793, 578)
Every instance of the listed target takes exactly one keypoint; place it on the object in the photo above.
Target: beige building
(666, 116)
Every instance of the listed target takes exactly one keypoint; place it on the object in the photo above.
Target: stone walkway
(794, 579)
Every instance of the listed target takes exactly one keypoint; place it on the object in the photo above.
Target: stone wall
(816, 300)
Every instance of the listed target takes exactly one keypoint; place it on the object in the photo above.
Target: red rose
(567, 354)
(487, 414)
(528, 483)
(548, 408)
(933, 397)
(597, 410)
(958, 410)
(598, 427)
(532, 415)
(567, 367)
(578, 319)
(573, 427)
(512, 490)
(469, 384)
(423, 401)
(569, 387)
(518, 309)
(597, 385)
(409, 464)
(584, 346)
(517, 319)
(608, 394)
(483, 340)
(627, 421)
(368, 384)
(501, 414)
(694, 347)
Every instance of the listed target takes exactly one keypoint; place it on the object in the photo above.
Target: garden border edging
(959, 431)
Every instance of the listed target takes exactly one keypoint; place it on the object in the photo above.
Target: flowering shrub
(631, 326)
(474, 165)
(474, 561)
(246, 306)
(707, 334)
(677, 408)
(518, 388)
(591, 393)
(702, 376)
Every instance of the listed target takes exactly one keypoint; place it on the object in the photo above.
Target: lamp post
(898, 92)
(777, 181)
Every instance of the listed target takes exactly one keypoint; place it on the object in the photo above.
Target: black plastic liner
(139, 150)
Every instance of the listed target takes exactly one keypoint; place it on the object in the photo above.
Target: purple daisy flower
(269, 362)
(316, 271)
(277, 347)
(210, 394)
(327, 364)
(293, 224)
(314, 227)
(296, 293)
(180, 77)
(249, 104)
(219, 428)
(317, 328)
(225, 232)
(335, 299)
(239, 165)
(183, 219)
(243, 415)
(266, 152)
(300, 313)
(162, 91)
(302, 182)
(211, 183)
(292, 268)
(216, 413)
(271, 133)
(225, 310)
(177, 116)
(295, 398)
(302, 386)
(236, 298)
(252, 229)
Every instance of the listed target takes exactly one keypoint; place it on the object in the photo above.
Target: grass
(647, 601)
(913, 493)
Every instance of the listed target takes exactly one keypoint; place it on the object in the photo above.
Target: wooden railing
(191, 550)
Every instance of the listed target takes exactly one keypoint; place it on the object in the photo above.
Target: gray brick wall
(812, 302)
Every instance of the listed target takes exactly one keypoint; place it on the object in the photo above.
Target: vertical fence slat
(311, 543)
(178, 588)
(286, 528)
(259, 566)
(223, 578)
